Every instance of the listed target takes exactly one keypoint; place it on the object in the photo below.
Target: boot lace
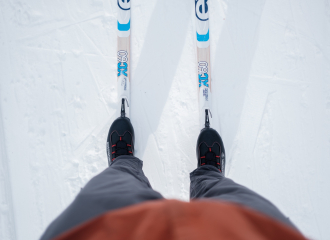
(121, 148)
(210, 158)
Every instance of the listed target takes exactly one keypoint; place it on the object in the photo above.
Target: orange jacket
(176, 220)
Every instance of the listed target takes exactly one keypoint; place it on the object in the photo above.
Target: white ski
(203, 62)
(123, 55)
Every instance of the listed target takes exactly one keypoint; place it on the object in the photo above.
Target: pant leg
(120, 185)
(208, 182)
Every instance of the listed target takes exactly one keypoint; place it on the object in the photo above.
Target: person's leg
(208, 180)
(120, 185)
(209, 183)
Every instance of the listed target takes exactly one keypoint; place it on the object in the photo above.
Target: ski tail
(203, 62)
(123, 56)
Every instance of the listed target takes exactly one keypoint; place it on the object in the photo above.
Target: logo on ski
(206, 94)
(203, 76)
(124, 4)
(201, 9)
(124, 83)
(122, 63)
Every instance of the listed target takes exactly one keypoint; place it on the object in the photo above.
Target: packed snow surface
(270, 64)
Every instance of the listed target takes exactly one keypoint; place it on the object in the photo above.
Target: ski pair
(209, 140)
(203, 58)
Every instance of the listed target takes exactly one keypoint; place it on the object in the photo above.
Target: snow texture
(270, 63)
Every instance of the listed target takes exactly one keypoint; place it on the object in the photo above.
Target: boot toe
(122, 125)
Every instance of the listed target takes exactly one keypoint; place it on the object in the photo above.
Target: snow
(271, 93)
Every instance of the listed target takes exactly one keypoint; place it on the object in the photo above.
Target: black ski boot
(210, 149)
(120, 139)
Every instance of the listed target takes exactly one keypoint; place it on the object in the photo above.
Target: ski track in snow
(270, 63)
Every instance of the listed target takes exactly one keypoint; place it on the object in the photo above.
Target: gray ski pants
(124, 184)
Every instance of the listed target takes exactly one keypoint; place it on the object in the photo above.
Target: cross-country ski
(123, 55)
(210, 148)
